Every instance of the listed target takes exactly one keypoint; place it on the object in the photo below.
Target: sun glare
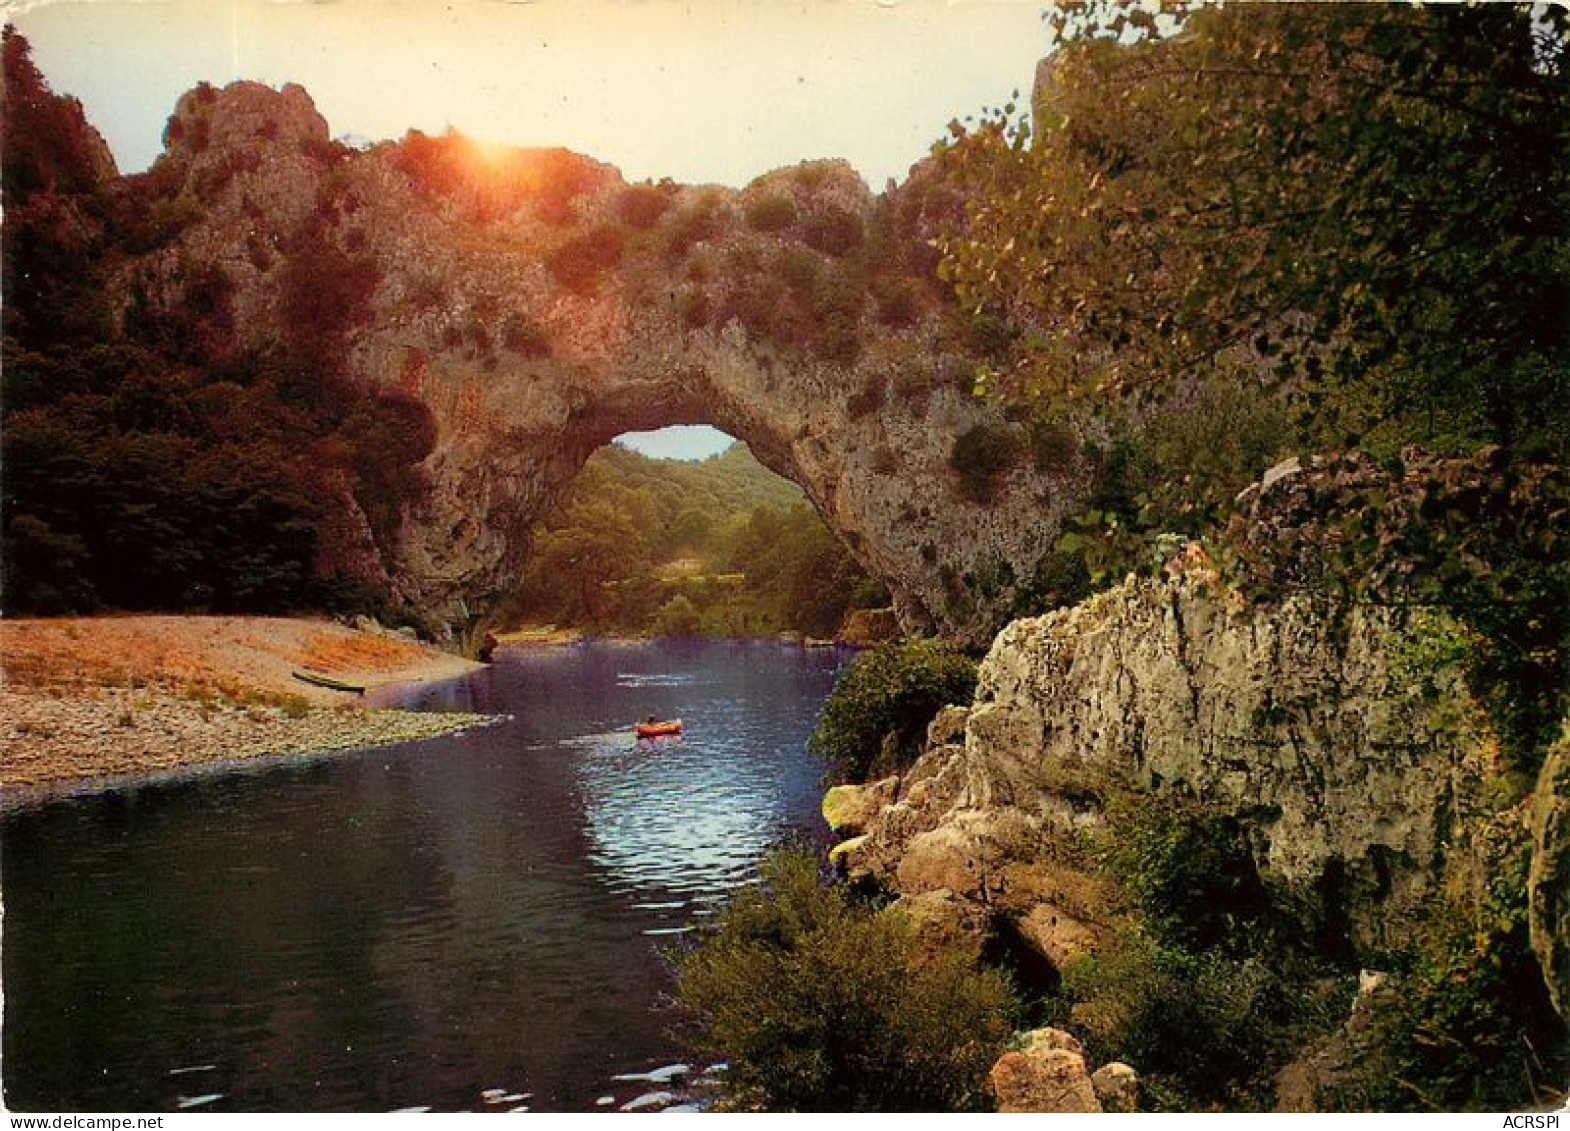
(490, 156)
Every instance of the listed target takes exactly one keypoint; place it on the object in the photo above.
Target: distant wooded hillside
(721, 547)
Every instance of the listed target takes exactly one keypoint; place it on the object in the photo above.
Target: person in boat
(650, 721)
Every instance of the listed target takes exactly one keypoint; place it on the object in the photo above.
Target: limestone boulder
(1047, 1075)
(1117, 1087)
(944, 923)
(846, 855)
(851, 808)
(1056, 935)
(947, 727)
(864, 628)
(967, 853)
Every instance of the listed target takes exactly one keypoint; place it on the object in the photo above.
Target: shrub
(1054, 448)
(1220, 979)
(821, 1003)
(562, 176)
(877, 716)
(432, 164)
(1190, 872)
(326, 296)
(677, 617)
(692, 226)
(582, 261)
(981, 455)
(1203, 1028)
(158, 222)
(800, 269)
(899, 301)
(834, 231)
(772, 213)
(641, 206)
(1471, 1027)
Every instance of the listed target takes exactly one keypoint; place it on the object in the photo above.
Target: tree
(599, 545)
(1369, 200)
(877, 716)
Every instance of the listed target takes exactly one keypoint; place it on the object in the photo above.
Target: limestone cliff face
(1351, 760)
(539, 306)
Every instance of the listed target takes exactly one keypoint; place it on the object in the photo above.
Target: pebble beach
(88, 699)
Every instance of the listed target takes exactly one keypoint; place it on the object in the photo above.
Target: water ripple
(412, 925)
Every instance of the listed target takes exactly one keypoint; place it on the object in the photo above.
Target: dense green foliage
(1283, 228)
(1372, 198)
(160, 466)
(821, 1003)
(1472, 1028)
(1484, 537)
(981, 455)
(876, 719)
(718, 547)
(1209, 984)
(1205, 1028)
(1215, 978)
(1190, 874)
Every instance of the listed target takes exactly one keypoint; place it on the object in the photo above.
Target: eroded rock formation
(1349, 764)
(538, 306)
(1364, 779)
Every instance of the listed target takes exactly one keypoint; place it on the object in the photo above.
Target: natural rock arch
(538, 305)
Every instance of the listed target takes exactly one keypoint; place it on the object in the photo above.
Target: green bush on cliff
(1190, 873)
(822, 1003)
(585, 259)
(982, 455)
(1470, 1027)
(1219, 978)
(1203, 1028)
(877, 716)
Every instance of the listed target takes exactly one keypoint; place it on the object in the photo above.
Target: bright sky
(698, 90)
(703, 91)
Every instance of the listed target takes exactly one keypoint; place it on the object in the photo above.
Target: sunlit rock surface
(1348, 764)
(1047, 1074)
(539, 306)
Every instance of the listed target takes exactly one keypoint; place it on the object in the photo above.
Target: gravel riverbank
(87, 699)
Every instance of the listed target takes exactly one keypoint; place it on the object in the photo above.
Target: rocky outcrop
(1117, 1087)
(850, 808)
(1048, 1074)
(1345, 758)
(538, 306)
(944, 924)
(1548, 884)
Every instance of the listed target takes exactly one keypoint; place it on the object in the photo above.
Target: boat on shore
(322, 680)
(657, 728)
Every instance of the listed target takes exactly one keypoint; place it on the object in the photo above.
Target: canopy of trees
(157, 465)
(1365, 201)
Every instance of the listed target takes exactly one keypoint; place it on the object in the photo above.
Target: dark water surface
(411, 925)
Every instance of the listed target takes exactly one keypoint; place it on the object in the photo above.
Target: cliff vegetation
(1268, 807)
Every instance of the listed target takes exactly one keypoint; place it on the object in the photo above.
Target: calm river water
(413, 925)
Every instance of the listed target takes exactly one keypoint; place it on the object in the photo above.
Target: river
(411, 926)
